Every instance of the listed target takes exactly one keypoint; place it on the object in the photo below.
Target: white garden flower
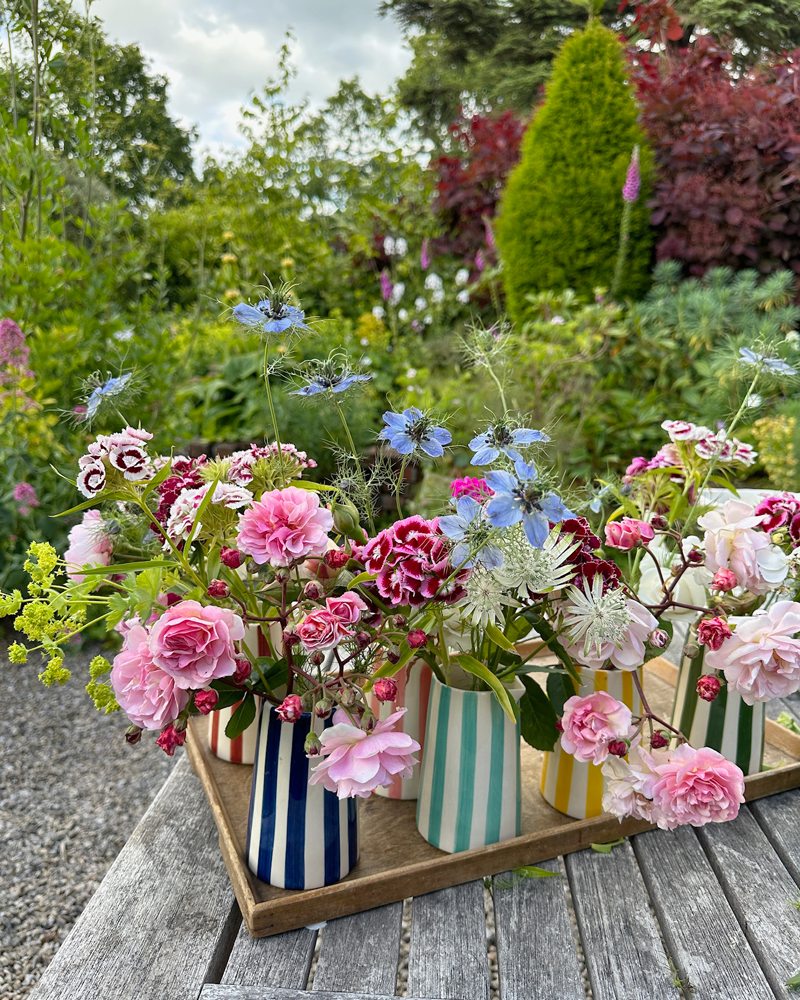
(402, 315)
(433, 282)
(485, 598)
(462, 276)
(378, 312)
(463, 296)
(595, 617)
(420, 304)
(527, 570)
(397, 292)
(437, 296)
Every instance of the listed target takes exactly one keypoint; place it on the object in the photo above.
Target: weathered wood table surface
(710, 909)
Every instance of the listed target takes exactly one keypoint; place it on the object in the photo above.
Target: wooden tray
(395, 861)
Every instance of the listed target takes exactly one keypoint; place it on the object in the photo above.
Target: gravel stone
(71, 793)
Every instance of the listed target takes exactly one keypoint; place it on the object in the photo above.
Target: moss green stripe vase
(470, 780)
(726, 724)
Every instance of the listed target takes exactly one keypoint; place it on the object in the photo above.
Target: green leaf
(537, 716)
(200, 512)
(478, 669)
(364, 577)
(157, 480)
(92, 503)
(531, 871)
(497, 637)
(307, 484)
(124, 568)
(242, 717)
(387, 669)
(794, 982)
(559, 689)
(545, 630)
(607, 848)
(786, 720)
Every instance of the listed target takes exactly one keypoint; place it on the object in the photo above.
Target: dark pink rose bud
(347, 697)
(173, 599)
(393, 654)
(398, 621)
(323, 708)
(170, 739)
(691, 649)
(724, 580)
(232, 558)
(659, 522)
(313, 590)
(133, 735)
(374, 620)
(712, 632)
(290, 637)
(417, 639)
(559, 725)
(362, 639)
(708, 687)
(628, 533)
(313, 745)
(290, 709)
(385, 689)
(242, 672)
(336, 558)
(218, 588)
(204, 701)
(317, 657)
(696, 556)
(618, 748)
(658, 740)
(181, 723)
(659, 639)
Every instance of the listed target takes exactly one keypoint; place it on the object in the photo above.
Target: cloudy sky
(217, 52)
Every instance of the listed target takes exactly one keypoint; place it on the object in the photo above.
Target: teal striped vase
(726, 724)
(470, 782)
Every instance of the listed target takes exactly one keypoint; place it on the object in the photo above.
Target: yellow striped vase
(569, 785)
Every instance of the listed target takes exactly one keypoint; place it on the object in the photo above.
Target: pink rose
(761, 660)
(696, 787)
(627, 783)
(724, 580)
(204, 701)
(591, 723)
(357, 761)
(628, 533)
(712, 632)
(322, 630)
(290, 709)
(89, 545)
(732, 542)
(194, 644)
(385, 689)
(170, 739)
(148, 696)
(284, 527)
(347, 608)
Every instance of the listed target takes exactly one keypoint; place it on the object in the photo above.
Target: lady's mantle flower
(410, 430)
(327, 378)
(471, 533)
(777, 365)
(107, 390)
(489, 445)
(518, 498)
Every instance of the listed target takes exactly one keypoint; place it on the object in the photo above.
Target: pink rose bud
(171, 738)
(347, 697)
(417, 639)
(323, 708)
(628, 533)
(312, 745)
(658, 740)
(290, 637)
(712, 632)
(313, 590)
(132, 735)
(659, 522)
(708, 687)
(204, 701)
(218, 588)
(659, 639)
(317, 658)
(696, 556)
(290, 709)
(173, 598)
(393, 654)
(724, 580)
(362, 639)
(336, 558)
(242, 672)
(618, 748)
(691, 649)
(232, 558)
(385, 689)
(398, 621)
(559, 725)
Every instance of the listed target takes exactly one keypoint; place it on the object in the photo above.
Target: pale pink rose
(284, 527)
(696, 787)
(148, 696)
(347, 608)
(89, 545)
(633, 651)
(627, 785)
(732, 542)
(322, 630)
(194, 644)
(761, 660)
(357, 761)
(628, 533)
(591, 723)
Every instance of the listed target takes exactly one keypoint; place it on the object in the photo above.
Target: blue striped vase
(470, 782)
(726, 724)
(299, 836)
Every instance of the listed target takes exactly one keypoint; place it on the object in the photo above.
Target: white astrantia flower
(485, 598)
(527, 570)
(595, 617)
(462, 276)
(463, 296)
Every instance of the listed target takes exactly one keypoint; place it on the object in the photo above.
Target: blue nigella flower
(111, 387)
(273, 315)
(518, 498)
(489, 445)
(410, 430)
(777, 365)
(469, 531)
(327, 381)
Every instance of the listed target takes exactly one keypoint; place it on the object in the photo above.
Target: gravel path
(71, 792)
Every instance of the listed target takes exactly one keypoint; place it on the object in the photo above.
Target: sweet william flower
(89, 545)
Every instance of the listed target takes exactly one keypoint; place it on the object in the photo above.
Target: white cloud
(219, 52)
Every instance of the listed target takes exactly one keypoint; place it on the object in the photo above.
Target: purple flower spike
(425, 259)
(633, 180)
(386, 286)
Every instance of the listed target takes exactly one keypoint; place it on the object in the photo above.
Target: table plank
(779, 818)
(702, 933)
(536, 954)
(359, 953)
(759, 889)
(624, 955)
(226, 992)
(164, 918)
(282, 960)
(448, 944)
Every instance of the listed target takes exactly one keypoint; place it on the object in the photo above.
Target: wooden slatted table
(708, 908)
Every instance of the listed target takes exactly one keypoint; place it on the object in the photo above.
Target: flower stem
(272, 413)
(399, 486)
(357, 460)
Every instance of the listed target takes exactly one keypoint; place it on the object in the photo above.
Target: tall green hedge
(560, 215)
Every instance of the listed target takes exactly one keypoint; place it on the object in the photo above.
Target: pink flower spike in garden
(633, 179)
(357, 761)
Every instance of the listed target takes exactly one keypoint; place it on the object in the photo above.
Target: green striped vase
(470, 782)
(726, 724)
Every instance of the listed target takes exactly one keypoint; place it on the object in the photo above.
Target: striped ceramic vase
(413, 689)
(241, 749)
(726, 724)
(572, 786)
(299, 836)
(470, 782)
